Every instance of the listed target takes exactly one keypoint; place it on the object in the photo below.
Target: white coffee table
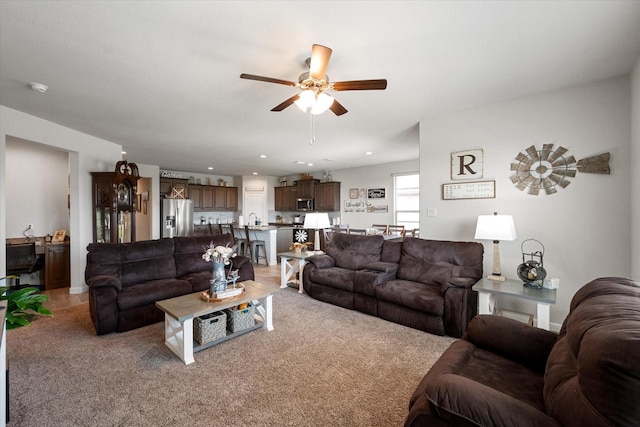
(179, 313)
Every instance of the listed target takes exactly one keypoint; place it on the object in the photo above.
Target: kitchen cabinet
(167, 185)
(114, 203)
(225, 198)
(306, 188)
(202, 197)
(57, 267)
(327, 196)
(285, 198)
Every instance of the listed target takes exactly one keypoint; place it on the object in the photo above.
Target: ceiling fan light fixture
(306, 100)
(322, 104)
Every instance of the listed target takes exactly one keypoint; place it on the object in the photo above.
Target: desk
(291, 263)
(488, 289)
(53, 258)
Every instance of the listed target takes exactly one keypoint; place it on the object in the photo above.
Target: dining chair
(383, 229)
(357, 231)
(415, 232)
(397, 230)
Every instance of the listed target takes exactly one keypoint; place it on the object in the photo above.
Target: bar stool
(239, 239)
(254, 247)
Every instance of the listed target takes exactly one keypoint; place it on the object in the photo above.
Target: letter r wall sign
(466, 164)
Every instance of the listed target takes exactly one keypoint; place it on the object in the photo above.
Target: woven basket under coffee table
(179, 314)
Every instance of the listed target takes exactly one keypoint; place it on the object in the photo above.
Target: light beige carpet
(322, 365)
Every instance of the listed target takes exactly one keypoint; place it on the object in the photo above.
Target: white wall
(585, 227)
(635, 172)
(86, 154)
(36, 188)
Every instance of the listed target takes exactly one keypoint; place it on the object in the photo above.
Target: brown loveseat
(126, 279)
(424, 284)
(507, 373)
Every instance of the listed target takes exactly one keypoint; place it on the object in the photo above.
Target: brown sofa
(126, 279)
(424, 284)
(507, 373)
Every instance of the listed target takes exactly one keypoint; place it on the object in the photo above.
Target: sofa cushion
(436, 261)
(188, 252)
(593, 368)
(334, 277)
(150, 292)
(354, 251)
(147, 260)
(414, 295)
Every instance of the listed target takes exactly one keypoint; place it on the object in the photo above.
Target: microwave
(305, 204)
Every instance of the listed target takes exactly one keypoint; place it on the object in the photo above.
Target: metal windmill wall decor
(550, 168)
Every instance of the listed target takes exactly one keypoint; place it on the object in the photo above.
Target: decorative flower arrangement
(219, 253)
(297, 246)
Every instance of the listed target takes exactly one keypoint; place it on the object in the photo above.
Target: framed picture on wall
(353, 193)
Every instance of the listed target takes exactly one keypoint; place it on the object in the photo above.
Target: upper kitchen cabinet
(285, 198)
(114, 203)
(168, 184)
(225, 198)
(306, 188)
(327, 196)
(202, 197)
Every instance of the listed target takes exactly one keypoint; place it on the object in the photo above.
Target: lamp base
(497, 278)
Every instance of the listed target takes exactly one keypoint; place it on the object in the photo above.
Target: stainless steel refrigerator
(176, 217)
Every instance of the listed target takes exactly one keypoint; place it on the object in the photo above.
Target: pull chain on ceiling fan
(314, 83)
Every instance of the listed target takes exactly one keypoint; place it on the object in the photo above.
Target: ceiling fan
(315, 83)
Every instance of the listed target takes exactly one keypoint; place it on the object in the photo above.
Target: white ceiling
(162, 78)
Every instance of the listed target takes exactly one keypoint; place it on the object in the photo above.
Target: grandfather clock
(114, 204)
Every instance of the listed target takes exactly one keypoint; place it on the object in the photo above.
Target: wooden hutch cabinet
(114, 204)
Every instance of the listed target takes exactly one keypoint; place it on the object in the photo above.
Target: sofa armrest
(512, 339)
(104, 281)
(459, 399)
(322, 261)
(383, 267)
(459, 282)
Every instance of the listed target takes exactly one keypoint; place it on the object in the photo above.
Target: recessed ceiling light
(299, 162)
(368, 153)
(263, 156)
(210, 168)
(327, 159)
(39, 87)
(309, 164)
(255, 173)
(124, 152)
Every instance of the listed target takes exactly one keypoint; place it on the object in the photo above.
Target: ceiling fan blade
(286, 103)
(379, 84)
(337, 108)
(266, 79)
(320, 56)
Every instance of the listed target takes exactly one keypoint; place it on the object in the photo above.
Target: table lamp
(316, 221)
(495, 227)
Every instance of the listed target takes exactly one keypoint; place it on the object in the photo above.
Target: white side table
(488, 289)
(292, 263)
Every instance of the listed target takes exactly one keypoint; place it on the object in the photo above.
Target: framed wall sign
(469, 190)
(467, 164)
(376, 193)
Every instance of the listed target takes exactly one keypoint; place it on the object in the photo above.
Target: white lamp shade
(316, 221)
(496, 228)
(322, 104)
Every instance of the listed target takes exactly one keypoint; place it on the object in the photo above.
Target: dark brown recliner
(506, 373)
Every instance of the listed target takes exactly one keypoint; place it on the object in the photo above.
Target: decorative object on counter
(495, 227)
(228, 295)
(305, 176)
(283, 181)
(532, 272)
(58, 236)
(220, 256)
(317, 221)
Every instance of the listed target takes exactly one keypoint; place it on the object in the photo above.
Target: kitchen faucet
(252, 223)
